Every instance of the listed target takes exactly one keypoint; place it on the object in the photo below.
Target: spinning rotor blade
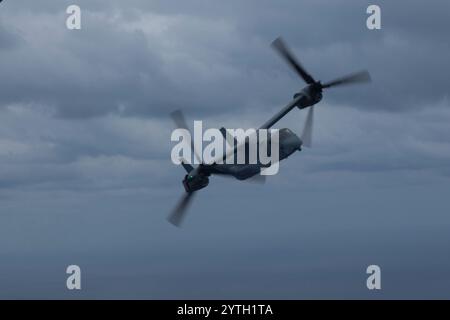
(358, 77)
(178, 214)
(307, 129)
(279, 45)
(178, 117)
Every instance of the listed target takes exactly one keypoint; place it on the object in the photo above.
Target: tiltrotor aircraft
(198, 177)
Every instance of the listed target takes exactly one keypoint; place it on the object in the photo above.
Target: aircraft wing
(269, 123)
(266, 125)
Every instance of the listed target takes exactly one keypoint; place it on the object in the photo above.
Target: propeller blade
(280, 46)
(358, 77)
(307, 129)
(180, 121)
(178, 214)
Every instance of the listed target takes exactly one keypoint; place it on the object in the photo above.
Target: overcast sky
(85, 170)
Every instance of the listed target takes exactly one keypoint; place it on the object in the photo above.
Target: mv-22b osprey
(198, 177)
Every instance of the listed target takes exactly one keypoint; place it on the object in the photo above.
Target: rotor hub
(195, 182)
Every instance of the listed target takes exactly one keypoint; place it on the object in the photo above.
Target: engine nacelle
(312, 94)
(289, 143)
(195, 182)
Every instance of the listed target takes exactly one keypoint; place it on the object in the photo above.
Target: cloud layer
(85, 137)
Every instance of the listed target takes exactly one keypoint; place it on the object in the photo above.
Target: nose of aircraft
(290, 141)
(300, 143)
(297, 142)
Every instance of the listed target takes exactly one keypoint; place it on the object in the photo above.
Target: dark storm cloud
(211, 60)
(85, 170)
(108, 68)
(214, 58)
(80, 80)
(94, 153)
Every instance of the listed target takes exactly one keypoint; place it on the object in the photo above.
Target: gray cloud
(85, 171)
(147, 58)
